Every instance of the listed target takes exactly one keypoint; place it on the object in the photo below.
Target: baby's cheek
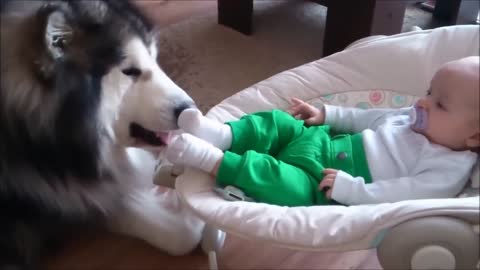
(437, 127)
(450, 128)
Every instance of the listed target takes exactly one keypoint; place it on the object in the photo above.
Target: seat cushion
(384, 72)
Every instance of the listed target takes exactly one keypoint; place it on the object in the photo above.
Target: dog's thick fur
(76, 78)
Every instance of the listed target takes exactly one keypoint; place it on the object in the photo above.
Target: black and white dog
(81, 98)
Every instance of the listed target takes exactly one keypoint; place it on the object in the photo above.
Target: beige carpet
(212, 62)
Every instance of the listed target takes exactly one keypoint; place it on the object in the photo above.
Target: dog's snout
(181, 107)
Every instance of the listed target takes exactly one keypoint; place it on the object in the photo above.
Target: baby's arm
(428, 184)
(353, 120)
(312, 115)
(341, 119)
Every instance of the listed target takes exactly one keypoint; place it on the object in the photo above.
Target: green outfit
(275, 159)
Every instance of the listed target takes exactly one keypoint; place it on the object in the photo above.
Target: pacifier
(419, 118)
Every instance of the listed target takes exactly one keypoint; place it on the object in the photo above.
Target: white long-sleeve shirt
(403, 163)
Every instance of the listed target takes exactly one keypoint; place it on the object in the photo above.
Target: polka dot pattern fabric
(367, 99)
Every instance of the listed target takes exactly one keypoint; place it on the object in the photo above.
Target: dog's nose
(181, 107)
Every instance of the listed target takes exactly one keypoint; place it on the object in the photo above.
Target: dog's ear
(58, 33)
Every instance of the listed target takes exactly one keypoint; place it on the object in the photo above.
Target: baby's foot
(189, 150)
(216, 133)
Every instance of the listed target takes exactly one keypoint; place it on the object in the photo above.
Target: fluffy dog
(82, 98)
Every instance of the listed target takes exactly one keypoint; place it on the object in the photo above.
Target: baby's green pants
(275, 159)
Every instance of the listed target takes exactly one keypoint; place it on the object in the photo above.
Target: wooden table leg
(236, 14)
(348, 21)
(457, 11)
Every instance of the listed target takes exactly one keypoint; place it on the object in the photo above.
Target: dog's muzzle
(181, 107)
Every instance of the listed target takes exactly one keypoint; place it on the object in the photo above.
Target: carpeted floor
(212, 62)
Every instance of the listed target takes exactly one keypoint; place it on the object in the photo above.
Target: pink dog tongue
(164, 136)
(419, 118)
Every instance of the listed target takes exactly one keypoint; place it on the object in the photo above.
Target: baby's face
(452, 105)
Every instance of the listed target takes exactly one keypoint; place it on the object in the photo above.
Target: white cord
(212, 260)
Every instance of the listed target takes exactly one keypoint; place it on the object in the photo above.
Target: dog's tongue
(164, 136)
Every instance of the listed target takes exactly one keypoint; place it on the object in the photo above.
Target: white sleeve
(353, 120)
(429, 184)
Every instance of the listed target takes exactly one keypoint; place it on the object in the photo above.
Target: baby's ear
(473, 141)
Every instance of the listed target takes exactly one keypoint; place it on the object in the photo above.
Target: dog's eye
(132, 71)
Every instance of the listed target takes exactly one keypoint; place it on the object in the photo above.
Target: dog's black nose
(181, 107)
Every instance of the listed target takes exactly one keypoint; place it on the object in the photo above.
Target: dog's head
(74, 75)
(89, 64)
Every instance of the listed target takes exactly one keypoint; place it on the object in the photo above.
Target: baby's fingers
(327, 182)
(329, 171)
(296, 101)
(314, 120)
(298, 116)
(298, 104)
(295, 109)
(329, 194)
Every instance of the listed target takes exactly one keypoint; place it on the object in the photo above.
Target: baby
(311, 156)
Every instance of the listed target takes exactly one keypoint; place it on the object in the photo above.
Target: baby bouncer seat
(382, 71)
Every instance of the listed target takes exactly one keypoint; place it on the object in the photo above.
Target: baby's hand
(304, 111)
(328, 182)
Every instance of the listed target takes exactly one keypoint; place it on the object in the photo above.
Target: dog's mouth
(149, 137)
